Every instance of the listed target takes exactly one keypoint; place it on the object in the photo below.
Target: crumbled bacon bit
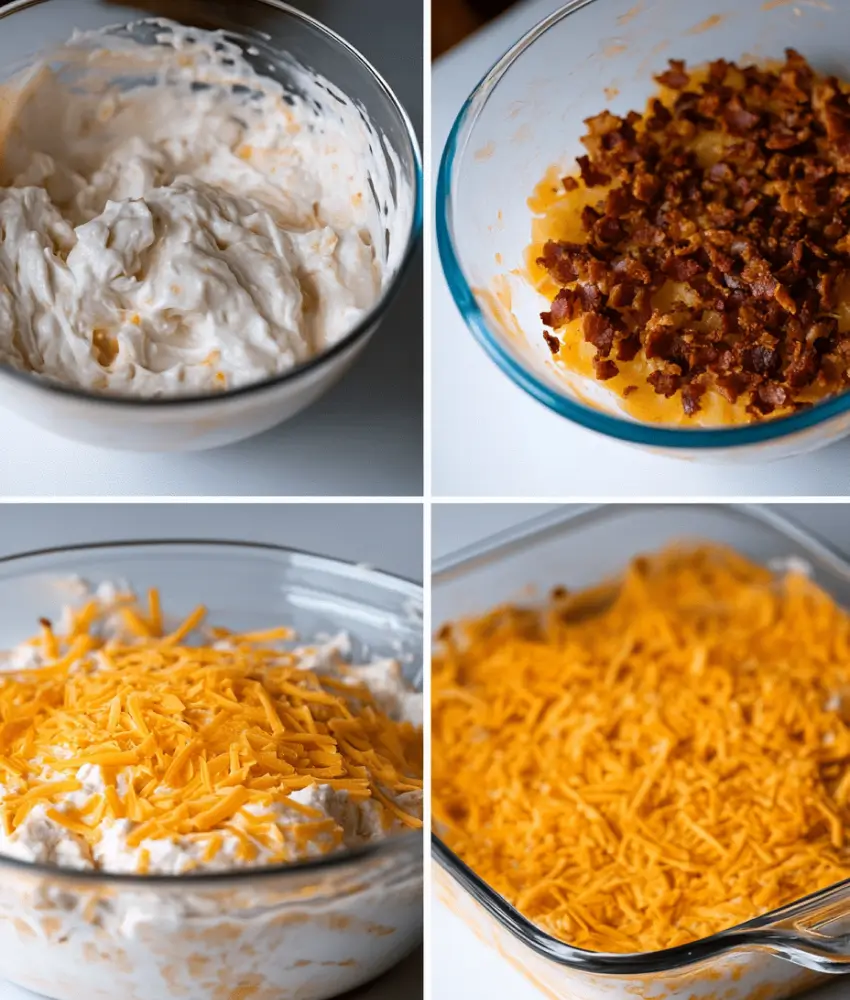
(591, 176)
(599, 331)
(628, 349)
(566, 306)
(608, 230)
(552, 342)
(589, 218)
(590, 297)
(690, 397)
(755, 245)
(737, 118)
(677, 77)
(605, 369)
(622, 295)
(764, 360)
(664, 383)
(681, 268)
(768, 396)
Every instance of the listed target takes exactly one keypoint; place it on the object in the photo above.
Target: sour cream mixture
(196, 228)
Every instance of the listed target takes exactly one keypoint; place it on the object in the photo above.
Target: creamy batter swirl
(198, 230)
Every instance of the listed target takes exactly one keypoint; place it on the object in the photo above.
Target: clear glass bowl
(280, 34)
(773, 957)
(311, 930)
(527, 114)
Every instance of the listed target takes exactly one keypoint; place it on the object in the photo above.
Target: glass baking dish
(772, 957)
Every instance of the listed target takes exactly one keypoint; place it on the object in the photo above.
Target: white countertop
(463, 967)
(363, 439)
(490, 438)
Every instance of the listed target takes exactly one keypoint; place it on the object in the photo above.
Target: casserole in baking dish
(771, 956)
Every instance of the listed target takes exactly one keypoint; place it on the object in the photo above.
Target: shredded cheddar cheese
(193, 739)
(650, 762)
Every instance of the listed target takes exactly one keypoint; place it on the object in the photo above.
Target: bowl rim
(360, 332)
(397, 842)
(610, 425)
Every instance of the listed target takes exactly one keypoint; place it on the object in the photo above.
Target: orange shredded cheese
(653, 761)
(192, 739)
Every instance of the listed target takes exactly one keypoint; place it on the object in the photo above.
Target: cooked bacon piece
(566, 306)
(632, 270)
(738, 118)
(608, 230)
(590, 297)
(628, 348)
(561, 260)
(768, 396)
(681, 268)
(691, 396)
(752, 250)
(664, 383)
(621, 296)
(589, 218)
(599, 331)
(605, 369)
(591, 175)
(677, 77)
(763, 360)
(552, 342)
(661, 116)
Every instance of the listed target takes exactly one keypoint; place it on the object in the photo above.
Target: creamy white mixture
(41, 839)
(165, 239)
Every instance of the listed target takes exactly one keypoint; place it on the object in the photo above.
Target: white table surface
(491, 439)
(462, 966)
(363, 439)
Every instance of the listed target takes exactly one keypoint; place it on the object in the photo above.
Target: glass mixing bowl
(310, 930)
(278, 35)
(527, 114)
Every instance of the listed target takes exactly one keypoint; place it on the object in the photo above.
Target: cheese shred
(192, 736)
(653, 761)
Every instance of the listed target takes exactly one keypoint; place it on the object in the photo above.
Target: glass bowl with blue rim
(527, 115)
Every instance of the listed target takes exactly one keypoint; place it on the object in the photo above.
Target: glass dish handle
(813, 934)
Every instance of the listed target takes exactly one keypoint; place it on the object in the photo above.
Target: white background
(491, 439)
(363, 439)
(385, 536)
(457, 524)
